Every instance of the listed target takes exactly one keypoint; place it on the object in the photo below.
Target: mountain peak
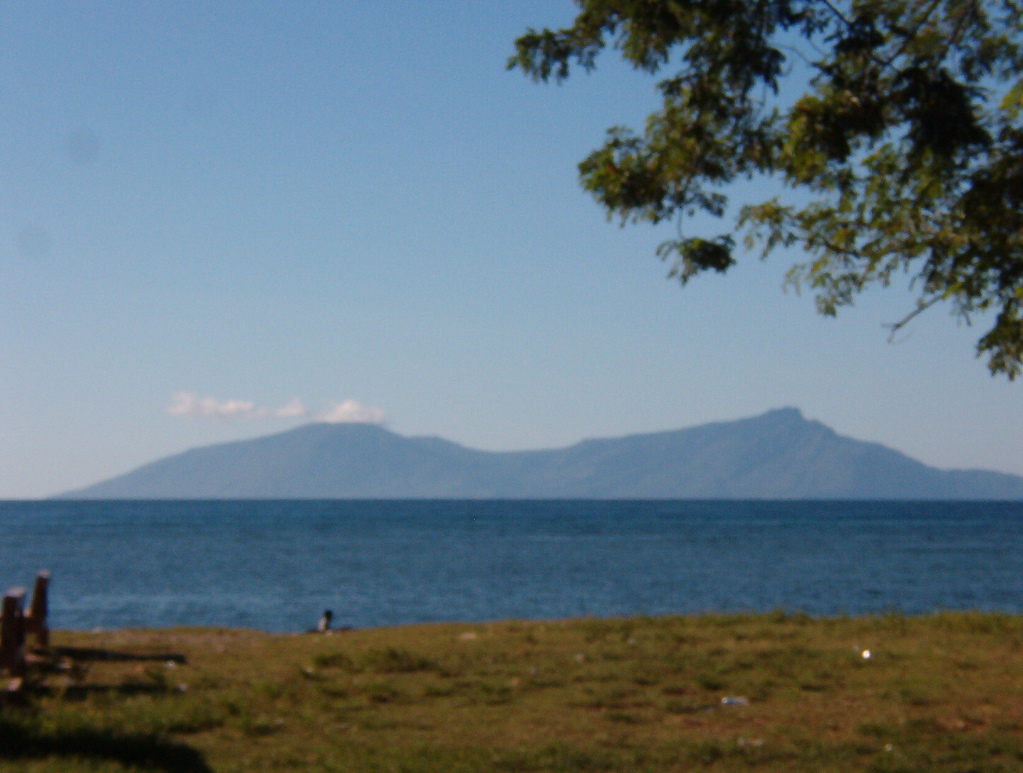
(787, 414)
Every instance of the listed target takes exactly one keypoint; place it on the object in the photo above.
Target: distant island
(777, 455)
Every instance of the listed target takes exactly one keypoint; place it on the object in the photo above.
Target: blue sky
(213, 212)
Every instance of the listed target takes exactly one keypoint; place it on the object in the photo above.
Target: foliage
(895, 125)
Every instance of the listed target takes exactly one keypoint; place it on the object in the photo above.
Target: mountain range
(777, 455)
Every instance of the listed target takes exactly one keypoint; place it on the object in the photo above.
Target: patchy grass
(938, 693)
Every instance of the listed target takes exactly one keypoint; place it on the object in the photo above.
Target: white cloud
(191, 405)
(352, 412)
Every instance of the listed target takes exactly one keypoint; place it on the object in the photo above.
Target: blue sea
(276, 565)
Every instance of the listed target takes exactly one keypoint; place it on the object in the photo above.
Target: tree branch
(895, 327)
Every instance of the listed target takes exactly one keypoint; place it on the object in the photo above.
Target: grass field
(937, 693)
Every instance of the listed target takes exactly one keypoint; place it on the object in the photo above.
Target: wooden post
(12, 632)
(35, 619)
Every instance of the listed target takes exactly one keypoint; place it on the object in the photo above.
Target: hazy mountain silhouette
(778, 455)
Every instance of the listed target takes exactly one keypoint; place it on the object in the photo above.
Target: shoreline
(774, 615)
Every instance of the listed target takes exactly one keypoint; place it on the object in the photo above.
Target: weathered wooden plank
(12, 632)
(35, 619)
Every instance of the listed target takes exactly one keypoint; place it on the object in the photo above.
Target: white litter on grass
(735, 700)
(468, 636)
(866, 654)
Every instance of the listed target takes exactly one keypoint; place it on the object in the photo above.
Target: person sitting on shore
(324, 625)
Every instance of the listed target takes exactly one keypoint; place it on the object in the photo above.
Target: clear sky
(219, 220)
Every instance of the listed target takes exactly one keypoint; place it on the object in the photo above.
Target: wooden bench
(12, 632)
(35, 618)
(16, 625)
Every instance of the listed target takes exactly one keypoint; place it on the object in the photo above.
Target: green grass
(939, 693)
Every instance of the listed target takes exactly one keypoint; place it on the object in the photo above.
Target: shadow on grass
(86, 654)
(80, 692)
(18, 741)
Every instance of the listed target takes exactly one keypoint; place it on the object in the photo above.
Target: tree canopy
(895, 125)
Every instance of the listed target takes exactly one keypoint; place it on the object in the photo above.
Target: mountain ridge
(776, 455)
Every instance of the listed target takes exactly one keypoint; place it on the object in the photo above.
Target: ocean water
(276, 565)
